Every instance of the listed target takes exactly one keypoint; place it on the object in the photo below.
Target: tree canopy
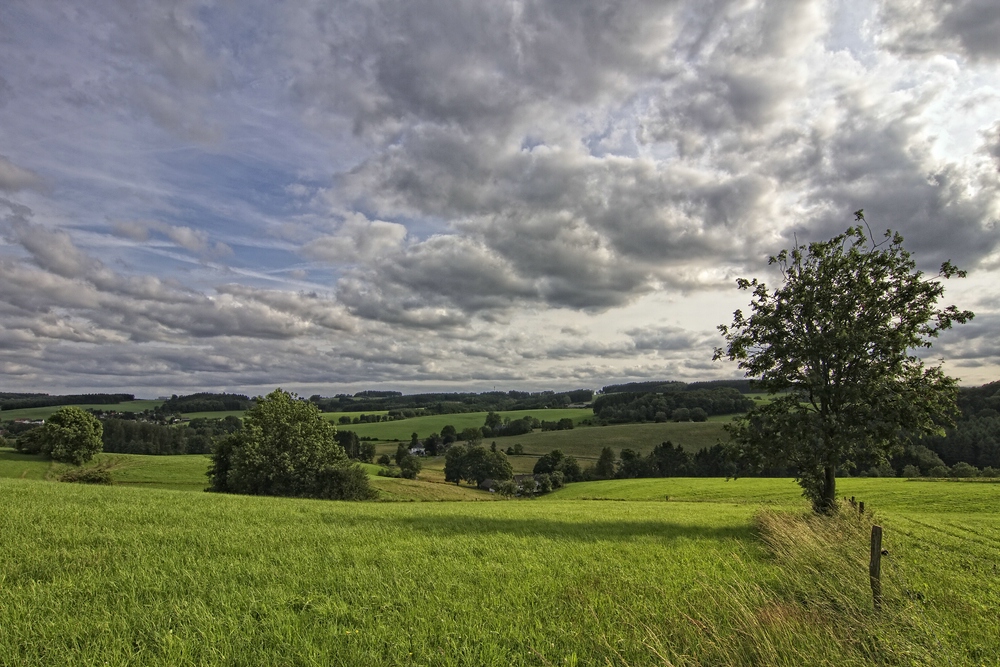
(286, 448)
(835, 346)
(71, 436)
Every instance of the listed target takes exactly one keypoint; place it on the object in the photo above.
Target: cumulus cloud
(453, 192)
(358, 240)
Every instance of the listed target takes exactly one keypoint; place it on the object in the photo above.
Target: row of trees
(11, 401)
(684, 405)
(199, 436)
(399, 405)
(206, 402)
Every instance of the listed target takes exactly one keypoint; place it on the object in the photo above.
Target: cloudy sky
(332, 195)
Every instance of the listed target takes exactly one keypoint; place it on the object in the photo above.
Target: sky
(337, 195)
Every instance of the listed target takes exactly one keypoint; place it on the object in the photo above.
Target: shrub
(911, 471)
(384, 460)
(990, 471)
(100, 474)
(507, 488)
(963, 469)
(939, 471)
(389, 472)
(544, 483)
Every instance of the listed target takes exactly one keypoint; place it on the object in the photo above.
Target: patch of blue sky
(242, 179)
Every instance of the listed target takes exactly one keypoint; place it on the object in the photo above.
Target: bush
(384, 460)
(990, 471)
(963, 469)
(100, 474)
(507, 488)
(911, 471)
(939, 471)
(389, 472)
(544, 483)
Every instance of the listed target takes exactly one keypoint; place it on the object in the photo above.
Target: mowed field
(626, 572)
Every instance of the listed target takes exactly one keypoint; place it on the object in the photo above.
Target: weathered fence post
(875, 567)
(861, 507)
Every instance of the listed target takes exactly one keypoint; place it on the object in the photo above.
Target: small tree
(454, 464)
(605, 467)
(410, 466)
(71, 436)
(471, 436)
(833, 346)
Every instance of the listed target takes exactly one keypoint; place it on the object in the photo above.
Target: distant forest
(10, 401)
(742, 386)
(666, 401)
(410, 405)
(206, 402)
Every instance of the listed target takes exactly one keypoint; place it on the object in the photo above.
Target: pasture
(657, 572)
(423, 426)
(44, 413)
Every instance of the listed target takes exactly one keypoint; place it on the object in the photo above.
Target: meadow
(423, 426)
(44, 413)
(621, 572)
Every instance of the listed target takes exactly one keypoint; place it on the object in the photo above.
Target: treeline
(411, 405)
(742, 386)
(206, 402)
(199, 436)
(21, 401)
(666, 460)
(975, 437)
(676, 404)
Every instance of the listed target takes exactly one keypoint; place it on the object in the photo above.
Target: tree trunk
(829, 489)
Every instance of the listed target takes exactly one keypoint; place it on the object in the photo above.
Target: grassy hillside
(43, 413)
(188, 473)
(424, 426)
(587, 442)
(146, 577)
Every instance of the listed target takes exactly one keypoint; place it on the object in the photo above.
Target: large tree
(286, 448)
(835, 346)
(71, 436)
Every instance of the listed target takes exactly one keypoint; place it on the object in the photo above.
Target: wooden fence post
(875, 567)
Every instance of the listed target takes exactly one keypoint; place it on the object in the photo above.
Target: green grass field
(587, 442)
(43, 413)
(424, 426)
(139, 576)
